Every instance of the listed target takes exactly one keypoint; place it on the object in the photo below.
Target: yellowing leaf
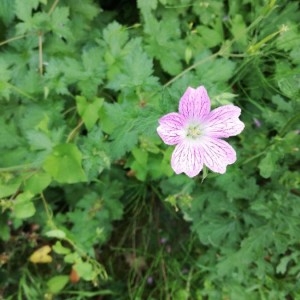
(40, 256)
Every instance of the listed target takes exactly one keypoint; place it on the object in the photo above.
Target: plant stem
(41, 53)
(53, 7)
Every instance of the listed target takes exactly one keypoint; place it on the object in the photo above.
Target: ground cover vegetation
(90, 205)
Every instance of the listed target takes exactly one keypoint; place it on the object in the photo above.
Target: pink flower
(197, 133)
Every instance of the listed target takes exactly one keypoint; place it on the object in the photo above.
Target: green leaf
(94, 70)
(140, 171)
(158, 166)
(165, 163)
(60, 22)
(24, 8)
(57, 283)
(295, 55)
(85, 10)
(38, 140)
(282, 266)
(238, 29)
(60, 249)
(290, 86)
(108, 115)
(163, 42)
(64, 164)
(215, 229)
(141, 156)
(121, 124)
(282, 104)
(146, 5)
(95, 151)
(56, 233)
(267, 165)
(89, 111)
(37, 182)
(9, 188)
(85, 270)
(139, 163)
(4, 89)
(7, 11)
(136, 70)
(23, 207)
(72, 258)
(115, 37)
(150, 144)
(238, 189)
(5, 76)
(214, 70)
(224, 98)
(123, 141)
(288, 39)
(96, 210)
(181, 294)
(210, 37)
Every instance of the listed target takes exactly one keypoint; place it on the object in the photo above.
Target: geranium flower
(197, 133)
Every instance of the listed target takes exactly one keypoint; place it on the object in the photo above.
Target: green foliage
(57, 283)
(84, 173)
(23, 207)
(89, 111)
(64, 164)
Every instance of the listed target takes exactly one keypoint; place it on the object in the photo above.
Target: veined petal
(195, 103)
(224, 121)
(170, 128)
(187, 158)
(217, 154)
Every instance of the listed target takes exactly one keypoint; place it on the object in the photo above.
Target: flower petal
(187, 158)
(217, 154)
(195, 103)
(224, 121)
(171, 128)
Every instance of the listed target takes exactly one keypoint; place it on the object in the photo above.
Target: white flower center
(193, 131)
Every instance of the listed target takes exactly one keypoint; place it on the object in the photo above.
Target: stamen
(193, 131)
